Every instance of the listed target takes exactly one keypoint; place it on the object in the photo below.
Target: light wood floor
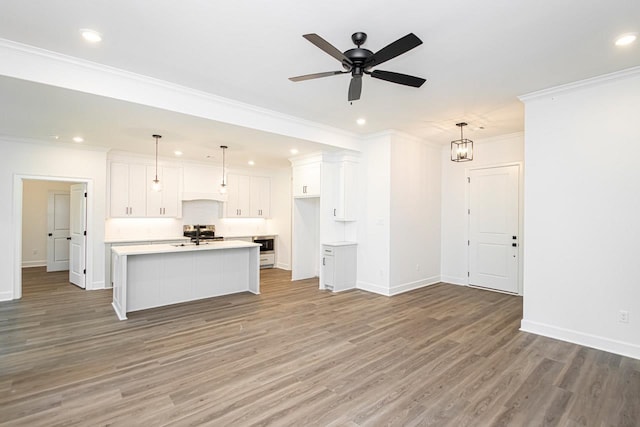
(442, 356)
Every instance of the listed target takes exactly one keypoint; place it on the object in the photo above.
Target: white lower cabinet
(108, 267)
(339, 266)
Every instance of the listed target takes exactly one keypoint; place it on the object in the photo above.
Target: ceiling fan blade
(316, 75)
(402, 79)
(355, 88)
(394, 49)
(327, 47)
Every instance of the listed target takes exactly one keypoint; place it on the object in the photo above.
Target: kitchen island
(146, 276)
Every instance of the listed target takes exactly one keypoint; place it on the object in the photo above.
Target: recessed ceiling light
(55, 136)
(361, 121)
(178, 153)
(78, 139)
(293, 151)
(251, 163)
(91, 36)
(626, 39)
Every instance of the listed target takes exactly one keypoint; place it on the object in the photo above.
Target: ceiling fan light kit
(461, 149)
(359, 61)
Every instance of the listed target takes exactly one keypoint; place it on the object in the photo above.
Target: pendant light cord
(156, 158)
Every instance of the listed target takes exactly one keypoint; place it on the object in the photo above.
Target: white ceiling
(477, 58)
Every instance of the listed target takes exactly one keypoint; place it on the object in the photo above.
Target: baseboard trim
(283, 266)
(581, 338)
(396, 290)
(98, 285)
(6, 296)
(29, 264)
(370, 287)
(414, 285)
(460, 281)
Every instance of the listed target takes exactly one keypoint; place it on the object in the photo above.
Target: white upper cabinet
(163, 203)
(306, 180)
(131, 196)
(260, 201)
(346, 196)
(128, 192)
(239, 195)
(248, 196)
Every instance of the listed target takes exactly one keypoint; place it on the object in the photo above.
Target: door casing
(16, 223)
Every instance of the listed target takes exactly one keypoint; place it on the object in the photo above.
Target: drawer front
(267, 259)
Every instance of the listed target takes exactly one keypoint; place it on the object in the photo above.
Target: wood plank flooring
(442, 356)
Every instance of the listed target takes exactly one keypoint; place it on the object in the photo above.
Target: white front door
(493, 228)
(78, 222)
(58, 231)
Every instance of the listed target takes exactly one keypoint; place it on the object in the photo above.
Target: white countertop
(143, 239)
(168, 248)
(340, 243)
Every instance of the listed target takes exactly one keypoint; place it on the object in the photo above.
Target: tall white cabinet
(325, 209)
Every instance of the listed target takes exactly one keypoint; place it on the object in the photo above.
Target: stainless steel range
(201, 233)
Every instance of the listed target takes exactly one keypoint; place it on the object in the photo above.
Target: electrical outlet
(623, 316)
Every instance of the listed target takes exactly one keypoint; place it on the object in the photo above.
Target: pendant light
(461, 149)
(223, 186)
(155, 186)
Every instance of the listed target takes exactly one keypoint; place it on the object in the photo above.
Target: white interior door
(78, 247)
(493, 228)
(58, 231)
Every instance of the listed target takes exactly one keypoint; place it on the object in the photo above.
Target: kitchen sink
(190, 244)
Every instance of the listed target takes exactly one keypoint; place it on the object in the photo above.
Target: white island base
(147, 276)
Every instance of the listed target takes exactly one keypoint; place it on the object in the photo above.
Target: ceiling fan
(359, 61)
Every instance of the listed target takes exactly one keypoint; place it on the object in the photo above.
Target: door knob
(50, 234)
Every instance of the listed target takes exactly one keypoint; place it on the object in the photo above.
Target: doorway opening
(51, 217)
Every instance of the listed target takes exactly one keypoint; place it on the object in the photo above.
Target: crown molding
(581, 84)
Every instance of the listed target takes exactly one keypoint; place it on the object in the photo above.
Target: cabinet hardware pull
(334, 212)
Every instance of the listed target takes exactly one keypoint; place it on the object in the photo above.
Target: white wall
(35, 205)
(414, 214)
(280, 222)
(45, 160)
(487, 152)
(582, 199)
(373, 222)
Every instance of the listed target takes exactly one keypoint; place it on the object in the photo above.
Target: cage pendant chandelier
(461, 149)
